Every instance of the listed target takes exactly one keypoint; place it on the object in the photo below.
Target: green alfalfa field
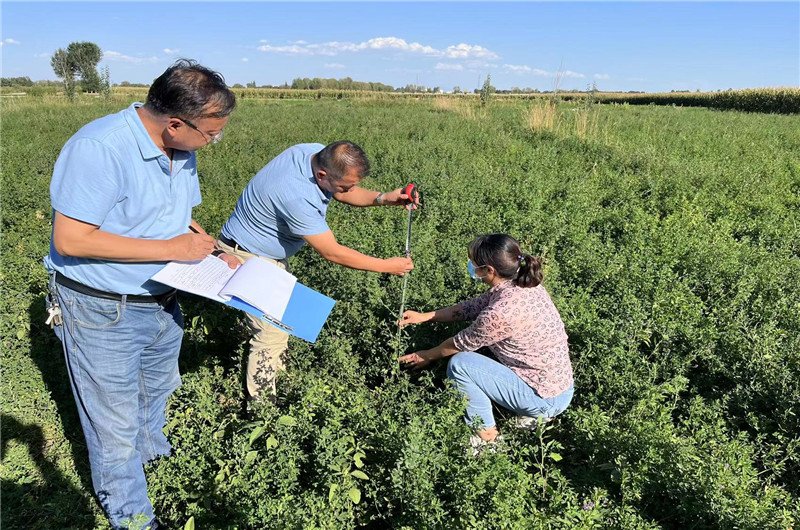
(671, 239)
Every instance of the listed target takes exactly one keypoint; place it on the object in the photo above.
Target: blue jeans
(484, 380)
(122, 360)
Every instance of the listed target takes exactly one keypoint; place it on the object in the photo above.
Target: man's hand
(191, 246)
(398, 266)
(398, 198)
(414, 361)
(413, 317)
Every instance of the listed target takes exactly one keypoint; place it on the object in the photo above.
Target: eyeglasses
(212, 139)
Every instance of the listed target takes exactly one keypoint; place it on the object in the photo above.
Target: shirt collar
(500, 286)
(147, 147)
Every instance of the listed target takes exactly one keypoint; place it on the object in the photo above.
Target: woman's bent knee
(458, 362)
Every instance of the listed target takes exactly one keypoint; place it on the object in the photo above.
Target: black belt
(231, 243)
(162, 299)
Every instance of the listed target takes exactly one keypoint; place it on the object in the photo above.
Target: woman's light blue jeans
(122, 359)
(484, 380)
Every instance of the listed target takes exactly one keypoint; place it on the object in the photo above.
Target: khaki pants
(267, 343)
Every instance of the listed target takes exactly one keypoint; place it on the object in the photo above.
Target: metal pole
(405, 280)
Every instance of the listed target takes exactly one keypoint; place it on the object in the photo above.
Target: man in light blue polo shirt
(283, 208)
(122, 192)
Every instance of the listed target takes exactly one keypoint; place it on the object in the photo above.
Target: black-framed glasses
(211, 139)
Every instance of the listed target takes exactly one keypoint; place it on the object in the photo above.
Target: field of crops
(769, 100)
(671, 239)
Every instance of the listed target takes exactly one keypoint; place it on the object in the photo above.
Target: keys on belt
(53, 311)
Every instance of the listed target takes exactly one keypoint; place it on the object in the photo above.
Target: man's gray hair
(340, 157)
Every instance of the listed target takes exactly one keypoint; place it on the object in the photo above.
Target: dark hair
(338, 157)
(503, 253)
(189, 90)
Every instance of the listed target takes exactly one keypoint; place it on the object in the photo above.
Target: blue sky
(620, 46)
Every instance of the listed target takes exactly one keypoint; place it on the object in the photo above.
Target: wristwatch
(378, 198)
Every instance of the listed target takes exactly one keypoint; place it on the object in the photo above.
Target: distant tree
(16, 81)
(79, 59)
(345, 83)
(84, 57)
(105, 82)
(64, 71)
(251, 84)
(456, 89)
(487, 90)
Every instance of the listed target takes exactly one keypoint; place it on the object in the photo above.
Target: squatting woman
(517, 320)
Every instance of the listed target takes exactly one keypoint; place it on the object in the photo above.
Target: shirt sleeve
(302, 217)
(489, 327)
(469, 309)
(87, 181)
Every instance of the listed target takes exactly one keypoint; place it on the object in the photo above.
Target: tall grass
(542, 115)
(463, 107)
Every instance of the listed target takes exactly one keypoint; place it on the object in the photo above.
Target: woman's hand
(414, 317)
(414, 360)
(232, 262)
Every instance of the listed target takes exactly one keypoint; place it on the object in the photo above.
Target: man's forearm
(354, 259)
(358, 196)
(80, 239)
(99, 244)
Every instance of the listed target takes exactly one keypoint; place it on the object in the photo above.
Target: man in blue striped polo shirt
(283, 208)
(122, 192)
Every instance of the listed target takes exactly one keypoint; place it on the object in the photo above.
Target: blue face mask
(471, 270)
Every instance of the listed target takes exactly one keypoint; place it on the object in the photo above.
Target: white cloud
(395, 43)
(43, 55)
(9, 41)
(464, 51)
(458, 51)
(448, 66)
(245, 59)
(525, 69)
(602, 76)
(520, 68)
(334, 66)
(291, 50)
(171, 51)
(122, 58)
(297, 42)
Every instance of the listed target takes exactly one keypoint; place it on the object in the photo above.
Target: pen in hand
(215, 252)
